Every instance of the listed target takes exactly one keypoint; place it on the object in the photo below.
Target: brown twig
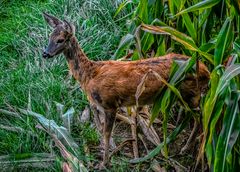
(119, 147)
(124, 118)
(185, 147)
(149, 132)
(134, 133)
(144, 143)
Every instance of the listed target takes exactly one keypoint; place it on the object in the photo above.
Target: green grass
(27, 80)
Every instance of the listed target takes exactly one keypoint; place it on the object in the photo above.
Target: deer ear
(69, 27)
(51, 20)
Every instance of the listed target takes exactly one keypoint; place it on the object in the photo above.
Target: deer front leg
(110, 116)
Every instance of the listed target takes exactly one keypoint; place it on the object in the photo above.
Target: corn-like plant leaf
(52, 127)
(201, 5)
(204, 16)
(142, 11)
(179, 4)
(176, 75)
(147, 41)
(230, 73)
(125, 41)
(173, 89)
(184, 67)
(161, 50)
(207, 47)
(229, 133)
(157, 9)
(190, 26)
(222, 40)
(219, 84)
(236, 46)
(171, 6)
(166, 99)
(170, 138)
(177, 36)
(209, 145)
(211, 98)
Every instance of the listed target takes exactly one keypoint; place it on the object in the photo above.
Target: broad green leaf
(183, 69)
(52, 127)
(179, 4)
(216, 114)
(177, 36)
(190, 26)
(142, 11)
(207, 47)
(218, 87)
(170, 138)
(146, 42)
(209, 103)
(177, 73)
(199, 6)
(203, 17)
(171, 6)
(138, 42)
(157, 9)
(230, 73)
(236, 46)
(229, 133)
(161, 50)
(221, 44)
(125, 41)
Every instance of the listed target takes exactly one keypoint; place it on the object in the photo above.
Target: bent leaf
(177, 36)
(199, 6)
(125, 41)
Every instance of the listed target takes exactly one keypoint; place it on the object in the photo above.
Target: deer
(112, 84)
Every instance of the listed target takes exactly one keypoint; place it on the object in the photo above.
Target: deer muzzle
(46, 55)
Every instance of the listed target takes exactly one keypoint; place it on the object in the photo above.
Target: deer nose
(45, 54)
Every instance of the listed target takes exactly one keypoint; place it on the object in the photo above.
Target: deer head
(59, 38)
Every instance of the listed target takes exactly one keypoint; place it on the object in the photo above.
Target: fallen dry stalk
(134, 133)
(119, 147)
(124, 118)
(149, 132)
(144, 143)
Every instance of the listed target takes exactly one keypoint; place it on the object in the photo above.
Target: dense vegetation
(205, 30)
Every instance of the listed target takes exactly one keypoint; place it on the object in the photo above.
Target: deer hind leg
(110, 116)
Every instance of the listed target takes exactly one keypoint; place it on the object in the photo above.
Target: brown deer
(113, 84)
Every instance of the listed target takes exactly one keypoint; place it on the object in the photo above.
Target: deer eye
(60, 41)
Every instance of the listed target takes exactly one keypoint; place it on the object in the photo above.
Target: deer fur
(113, 84)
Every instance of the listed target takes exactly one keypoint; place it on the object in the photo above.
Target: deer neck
(80, 66)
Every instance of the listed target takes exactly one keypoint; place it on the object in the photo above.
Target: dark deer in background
(113, 84)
